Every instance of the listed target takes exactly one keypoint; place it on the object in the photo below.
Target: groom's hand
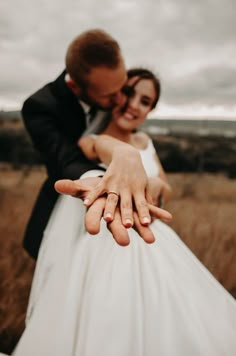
(80, 188)
(93, 219)
(119, 232)
(95, 211)
(76, 188)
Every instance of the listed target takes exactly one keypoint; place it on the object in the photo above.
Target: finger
(159, 213)
(149, 195)
(94, 215)
(118, 231)
(69, 187)
(141, 206)
(144, 231)
(94, 193)
(111, 204)
(126, 209)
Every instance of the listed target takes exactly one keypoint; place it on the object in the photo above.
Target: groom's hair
(90, 49)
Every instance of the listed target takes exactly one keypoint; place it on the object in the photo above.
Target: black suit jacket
(55, 120)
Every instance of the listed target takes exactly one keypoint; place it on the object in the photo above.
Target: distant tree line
(178, 153)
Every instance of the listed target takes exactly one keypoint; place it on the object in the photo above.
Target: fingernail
(146, 220)
(86, 201)
(128, 222)
(108, 216)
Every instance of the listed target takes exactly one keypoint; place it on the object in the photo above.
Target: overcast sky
(191, 44)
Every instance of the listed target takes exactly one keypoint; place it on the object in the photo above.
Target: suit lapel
(72, 112)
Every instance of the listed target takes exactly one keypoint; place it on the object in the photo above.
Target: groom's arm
(61, 155)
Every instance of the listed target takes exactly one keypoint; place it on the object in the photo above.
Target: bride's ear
(73, 86)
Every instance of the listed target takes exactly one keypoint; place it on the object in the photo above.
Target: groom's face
(103, 86)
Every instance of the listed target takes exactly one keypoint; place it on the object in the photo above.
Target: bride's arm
(125, 175)
(104, 147)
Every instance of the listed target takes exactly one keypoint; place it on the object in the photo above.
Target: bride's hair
(143, 73)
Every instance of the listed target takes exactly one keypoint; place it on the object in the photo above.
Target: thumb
(69, 187)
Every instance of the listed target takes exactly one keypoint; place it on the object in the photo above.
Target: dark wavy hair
(142, 73)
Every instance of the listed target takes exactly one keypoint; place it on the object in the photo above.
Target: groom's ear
(73, 86)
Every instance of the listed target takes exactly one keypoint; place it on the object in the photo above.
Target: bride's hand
(125, 183)
(96, 186)
(81, 187)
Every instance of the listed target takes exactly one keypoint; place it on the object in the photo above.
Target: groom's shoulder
(46, 95)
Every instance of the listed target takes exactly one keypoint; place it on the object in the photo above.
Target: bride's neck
(117, 132)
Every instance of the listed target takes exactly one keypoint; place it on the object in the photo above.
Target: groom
(57, 115)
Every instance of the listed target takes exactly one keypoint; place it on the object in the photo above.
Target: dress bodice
(148, 159)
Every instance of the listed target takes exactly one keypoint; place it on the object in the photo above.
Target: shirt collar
(86, 107)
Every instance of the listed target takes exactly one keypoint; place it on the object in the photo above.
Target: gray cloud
(190, 44)
(208, 85)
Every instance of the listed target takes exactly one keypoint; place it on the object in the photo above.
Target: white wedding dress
(92, 297)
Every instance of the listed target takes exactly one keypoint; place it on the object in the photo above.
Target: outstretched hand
(81, 189)
(125, 183)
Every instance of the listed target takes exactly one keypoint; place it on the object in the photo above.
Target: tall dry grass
(204, 216)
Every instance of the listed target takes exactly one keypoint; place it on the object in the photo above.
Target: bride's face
(140, 100)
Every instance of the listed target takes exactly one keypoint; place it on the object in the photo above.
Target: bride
(91, 296)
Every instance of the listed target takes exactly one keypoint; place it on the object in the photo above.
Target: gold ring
(113, 192)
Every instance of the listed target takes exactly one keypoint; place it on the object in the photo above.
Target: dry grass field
(203, 207)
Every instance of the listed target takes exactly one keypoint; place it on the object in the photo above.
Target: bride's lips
(129, 116)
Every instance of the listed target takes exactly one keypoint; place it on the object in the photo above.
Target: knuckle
(92, 194)
(126, 205)
(112, 198)
(97, 191)
(99, 188)
(140, 204)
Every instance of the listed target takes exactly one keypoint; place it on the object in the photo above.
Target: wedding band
(113, 192)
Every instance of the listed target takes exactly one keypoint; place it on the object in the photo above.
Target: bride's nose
(133, 103)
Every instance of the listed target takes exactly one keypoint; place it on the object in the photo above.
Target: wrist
(125, 151)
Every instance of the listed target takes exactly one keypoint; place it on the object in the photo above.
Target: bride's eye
(145, 102)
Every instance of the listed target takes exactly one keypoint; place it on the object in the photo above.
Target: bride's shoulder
(140, 140)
